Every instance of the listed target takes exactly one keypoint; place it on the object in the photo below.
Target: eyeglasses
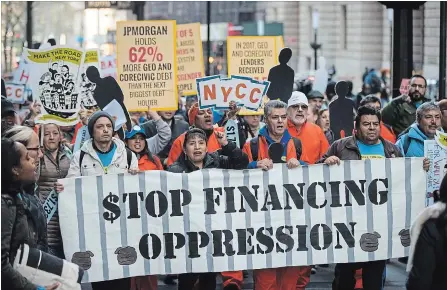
(418, 86)
(303, 107)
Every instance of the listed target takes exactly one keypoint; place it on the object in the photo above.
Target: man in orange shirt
(202, 119)
(386, 132)
(315, 144)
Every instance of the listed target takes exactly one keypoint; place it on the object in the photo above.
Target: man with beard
(400, 113)
(177, 125)
(312, 137)
(428, 120)
(202, 119)
(365, 144)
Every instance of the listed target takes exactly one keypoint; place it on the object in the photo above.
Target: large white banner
(215, 220)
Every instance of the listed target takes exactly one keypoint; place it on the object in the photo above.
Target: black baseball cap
(7, 107)
(315, 95)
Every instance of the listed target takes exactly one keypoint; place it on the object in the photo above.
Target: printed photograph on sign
(85, 86)
(53, 75)
(189, 58)
(251, 56)
(147, 64)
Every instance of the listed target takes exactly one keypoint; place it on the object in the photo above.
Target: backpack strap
(81, 157)
(254, 148)
(406, 144)
(298, 147)
(129, 157)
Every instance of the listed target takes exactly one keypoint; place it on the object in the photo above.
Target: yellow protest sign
(251, 56)
(279, 43)
(147, 64)
(259, 112)
(189, 58)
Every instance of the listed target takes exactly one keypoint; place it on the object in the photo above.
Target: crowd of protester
(35, 156)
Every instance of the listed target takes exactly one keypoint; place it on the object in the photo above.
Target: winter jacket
(229, 157)
(262, 143)
(37, 220)
(50, 171)
(387, 133)
(161, 138)
(399, 114)
(347, 149)
(313, 140)
(177, 147)
(149, 162)
(91, 164)
(15, 232)
(178, 127)
(428, 251)
(329, 136)
(414, 146)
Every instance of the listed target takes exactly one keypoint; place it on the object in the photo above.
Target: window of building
(344, 26)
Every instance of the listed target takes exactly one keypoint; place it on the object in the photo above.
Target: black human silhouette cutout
(3, 88)
(341, 112)
(107, 90)
(275, 152)
(281, 77)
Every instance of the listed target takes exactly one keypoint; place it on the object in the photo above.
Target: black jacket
(15, 231)
(178, 127)
(229, 157)
(429, 271)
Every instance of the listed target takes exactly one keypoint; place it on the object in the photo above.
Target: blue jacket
(415, 140)
(284, 141)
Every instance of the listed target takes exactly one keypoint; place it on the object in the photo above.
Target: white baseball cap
(297, 98)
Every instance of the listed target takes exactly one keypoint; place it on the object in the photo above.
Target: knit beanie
(93, 118)
(193, 112)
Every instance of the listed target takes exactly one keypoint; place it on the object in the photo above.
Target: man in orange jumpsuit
(275, 131)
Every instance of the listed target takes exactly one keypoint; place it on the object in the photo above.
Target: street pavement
(322, 280)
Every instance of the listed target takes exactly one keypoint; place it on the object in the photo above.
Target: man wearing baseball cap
(8, 114)
(315, 99)
(315, 144)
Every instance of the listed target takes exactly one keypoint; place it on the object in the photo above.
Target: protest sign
(258, 112)
(53, 73)
(81, 137)
(21, 74)
(108, 66)
(214, 220)
(251, 56)
(217, 92)
(15, 93)
(147, 64)
(50, 205)
(232, 132)
(279, 42)
(85, 87)
(438, 160)
(404, 87)
(189, 58)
